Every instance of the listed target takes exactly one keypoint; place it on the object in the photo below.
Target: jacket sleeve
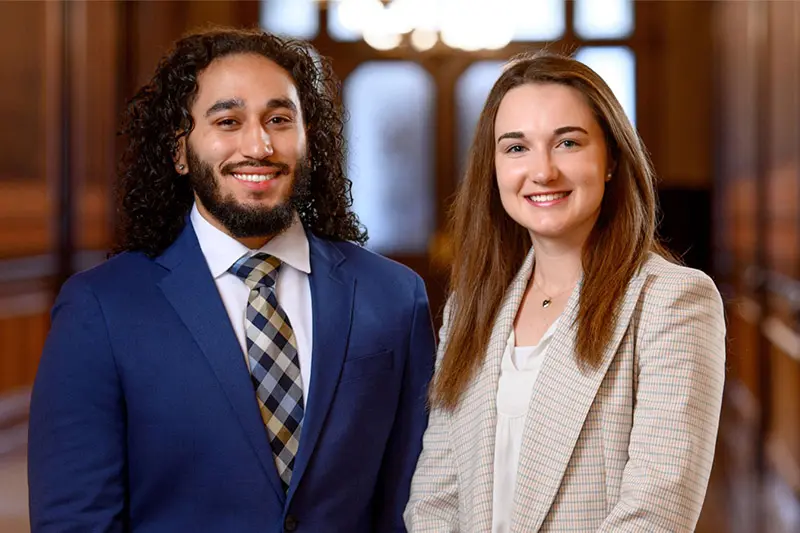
(680, 371)
(433, 505)
(76, 445)
(405, 440)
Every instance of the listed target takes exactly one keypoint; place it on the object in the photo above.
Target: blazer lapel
(484, 397)
(332, 293)
(190, 289)
(563, 394)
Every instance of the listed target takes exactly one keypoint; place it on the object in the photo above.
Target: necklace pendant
(547, 302)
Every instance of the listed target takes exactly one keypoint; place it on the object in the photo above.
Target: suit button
(290, 523)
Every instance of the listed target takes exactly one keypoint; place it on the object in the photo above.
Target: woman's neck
(558, 265)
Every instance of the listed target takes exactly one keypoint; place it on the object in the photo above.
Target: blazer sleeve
(405, 441)
(678, 396)
(76, 444)
(433, 504)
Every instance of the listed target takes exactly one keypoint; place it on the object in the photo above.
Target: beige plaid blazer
(624, 447)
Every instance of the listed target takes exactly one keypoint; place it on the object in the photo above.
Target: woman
(580, 373)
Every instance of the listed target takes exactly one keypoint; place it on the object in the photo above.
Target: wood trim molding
(782, 336)
(781, 506)
(743, 403)
(26, 304)
(749, 309)
(14, 409)
(27, 268)
(774, 329)
(784, 465)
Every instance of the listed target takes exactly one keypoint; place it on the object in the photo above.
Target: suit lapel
(484, 399)
(563, 394)
(190, 289)
(332, 293)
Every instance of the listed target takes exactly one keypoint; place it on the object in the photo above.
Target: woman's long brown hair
(489, 247)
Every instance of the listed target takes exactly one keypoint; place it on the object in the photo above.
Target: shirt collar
(221, 250)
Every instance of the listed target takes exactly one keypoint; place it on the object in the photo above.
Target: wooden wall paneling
(757, 90)
(21, 342)
(94, 35)
(784, 131)
(782, 225)
(737, 41)
(783, 438)
(29, 206)
(737, 172)
(152, 27)
(26, 202)
(650, 50)
(684, 104)
(796, 68)
(759, 26)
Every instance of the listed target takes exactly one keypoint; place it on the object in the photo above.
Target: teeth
(254, 178)
(547, 197)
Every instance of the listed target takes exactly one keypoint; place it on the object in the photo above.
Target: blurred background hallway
(712, 86)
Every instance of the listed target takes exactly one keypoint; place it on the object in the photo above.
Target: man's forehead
(250, 79)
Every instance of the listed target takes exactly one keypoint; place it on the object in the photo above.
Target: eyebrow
(569, 129)
(238, 103)
(558, 131)
(286, 103)
(511, 135)
(225, 105)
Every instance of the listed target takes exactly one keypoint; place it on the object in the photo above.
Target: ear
(612, 169)
(611, 163)
(180, 159)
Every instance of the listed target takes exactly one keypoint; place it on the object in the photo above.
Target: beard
(244, 221)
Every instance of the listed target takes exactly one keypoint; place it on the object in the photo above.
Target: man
(238, 366)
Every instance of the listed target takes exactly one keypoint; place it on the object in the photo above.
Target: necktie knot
(257, 271)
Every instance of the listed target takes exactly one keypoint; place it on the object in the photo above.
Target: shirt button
(290, 523)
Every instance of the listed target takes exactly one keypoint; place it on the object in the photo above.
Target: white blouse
(518, 372)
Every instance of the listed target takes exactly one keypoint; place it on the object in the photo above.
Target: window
(539, 20)
(472, 88)
(341, 22)
(616, 65)
(390, 143)
(609, 19)
(392, 130)
(292, 18)
(462, 23)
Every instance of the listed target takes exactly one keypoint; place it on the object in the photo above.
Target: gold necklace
(549, 299)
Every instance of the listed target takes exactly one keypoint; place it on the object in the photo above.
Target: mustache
(231, 168)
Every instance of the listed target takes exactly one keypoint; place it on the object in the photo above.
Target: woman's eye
(569, 143)
(515, 149)
(226, 122)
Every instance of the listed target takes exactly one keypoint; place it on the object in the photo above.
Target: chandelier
(462, 24)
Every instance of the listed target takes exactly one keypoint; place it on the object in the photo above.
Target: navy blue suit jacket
(143, 416)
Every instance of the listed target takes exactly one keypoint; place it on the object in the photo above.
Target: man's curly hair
(155, 200)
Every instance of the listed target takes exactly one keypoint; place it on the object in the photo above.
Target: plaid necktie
(273, 361)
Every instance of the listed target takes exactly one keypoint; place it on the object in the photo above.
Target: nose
(256, 142)
(542, 169)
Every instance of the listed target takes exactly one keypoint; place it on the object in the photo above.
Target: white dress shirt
(519, 369)
(293, 289)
